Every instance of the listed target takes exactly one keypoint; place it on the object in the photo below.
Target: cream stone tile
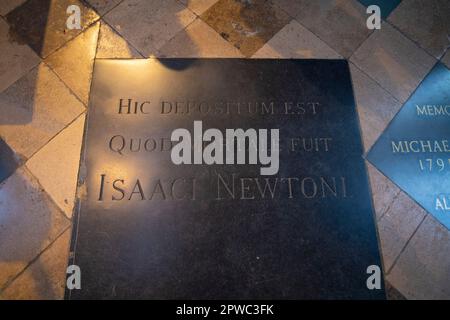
(423, 269)
(74, 62)
(45, 278)
(198, 6)
(426, 22)
(112, 45)
(8, 5)
(29, 222)
(340, 23)
(34, 109)
(295, 41)
(149, 24)
(16, 58)
(376, 107)
(397, 226)
(394, 61)
(199, 40)
(384, 192)
(56, 165)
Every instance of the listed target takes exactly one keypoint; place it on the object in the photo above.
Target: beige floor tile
(247, 25)
(56, 165)
(16, 59)
(112, 45)
(384, 192)
(29, 222)
(103, 6)
(149, 24)
(45, 278)
(340, 23)
(74, 62)
(199, 40)
(394, 61)
(397, 226)
(426, 22)
(423, 269)
(8, 5)
(376, 107)
(292, 7)
(295, 41)
(446, 59)
(42, 24)
(34, 109)
(198, 6)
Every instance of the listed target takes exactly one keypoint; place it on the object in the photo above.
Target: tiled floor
(45, 73)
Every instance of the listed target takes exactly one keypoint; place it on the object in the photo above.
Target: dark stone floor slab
(42, 24)
(8, 161)
(148, 228)
(414, 151)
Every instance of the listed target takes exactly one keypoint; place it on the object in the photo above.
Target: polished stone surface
(42, 23)
(414, 150)
(170, 241)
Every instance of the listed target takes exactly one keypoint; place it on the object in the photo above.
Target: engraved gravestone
(414, 151)
(149, 228)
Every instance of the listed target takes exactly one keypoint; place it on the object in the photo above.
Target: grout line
(32, 261)
(407, 243)
(394, 198)
(128, 43)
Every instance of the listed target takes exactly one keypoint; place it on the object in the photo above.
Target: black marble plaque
(414, 151)
(147, 228)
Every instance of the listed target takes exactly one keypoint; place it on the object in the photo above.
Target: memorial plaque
(414, 151)
(233, 221)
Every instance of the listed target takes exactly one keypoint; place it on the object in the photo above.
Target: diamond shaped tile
(199, 40)
(248, 25)
(341, 24)
(112, 45)
(34, 109)
(29, 222)
(56, 165)
(45, 278)
(423, 269)
(42, 23)
(394, 61)
(426, 22)
(73, 63)
(198, 6)
(16, 58)
(295, 41)
(149, 24)
(414, 151)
